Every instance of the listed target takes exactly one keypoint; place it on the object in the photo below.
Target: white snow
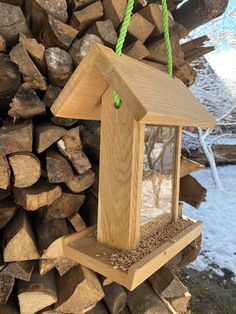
(219, 222)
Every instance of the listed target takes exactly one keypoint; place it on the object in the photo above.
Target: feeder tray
(140, 153)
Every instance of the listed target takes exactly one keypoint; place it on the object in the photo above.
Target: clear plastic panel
(158, 173)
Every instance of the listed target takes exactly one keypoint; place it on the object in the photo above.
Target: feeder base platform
(83, 248)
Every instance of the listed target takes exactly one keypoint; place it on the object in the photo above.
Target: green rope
(123, 33)
(121, 40)
(167, 38)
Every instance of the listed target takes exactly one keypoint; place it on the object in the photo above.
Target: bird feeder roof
(150, 94)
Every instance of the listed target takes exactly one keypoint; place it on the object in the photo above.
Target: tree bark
(195, 13)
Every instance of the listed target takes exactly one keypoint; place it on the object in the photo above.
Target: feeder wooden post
(122, 144)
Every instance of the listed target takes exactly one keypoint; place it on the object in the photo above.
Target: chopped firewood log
(20, 270)
(51, 95)
(26, 103)
(66, 205)
(76, 5)
(58, 167)
(194, 43)
(59, 65)
(5, 173)
(12, 23)
(158, 53)
(144, 300)
(186, 74)
(104, 281)
(30, 72)
(14, 2)
(115, 11)
(77, 222)
(140, 28)
(38, 195)
(190, 253)
(38, 293)
(125, 311)
(139, 4)
(90, 209)
(36, 51)
(9, 308)
(156, 65)
(4, 193)
(188, 166)
(180, 30)
(82, 19)
(153, 13)
(82, 182)
(26, 169)
(82, 293)
(115, 297)
(91, 144)
(6, 287)
(57, 34)
(106, 31)
(2, 44)
(46, 134)
(81, 47)
(16, 137)
(174, 263)
(191, 191)
(65, 122)
(197, 53)
(98, 309)
(71, 147)
(18, 239)
(63, 264)
(7, 210)
(10, 82)
(38, 10)
(136, 50)
(173, 291)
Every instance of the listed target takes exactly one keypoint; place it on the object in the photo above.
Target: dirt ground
(211, 294)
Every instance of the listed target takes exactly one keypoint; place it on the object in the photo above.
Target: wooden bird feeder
(139, 159)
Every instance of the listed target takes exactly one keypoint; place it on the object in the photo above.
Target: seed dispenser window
(139, 168)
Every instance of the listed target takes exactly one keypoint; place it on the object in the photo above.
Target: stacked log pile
(48, 165)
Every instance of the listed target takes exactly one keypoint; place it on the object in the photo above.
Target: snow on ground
(219, 222)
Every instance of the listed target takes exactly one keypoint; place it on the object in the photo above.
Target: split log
(14, 2)
(80, 183)
(59, 65)
(3, 46)
(4, 193)
(136, 50)
(38, 293)
(82, 293)
(191, 252)
(9, 308)
(197, 53)
(26, 169)
(5, 173)
(82, 19)
(77, 222)
(89, 209)
(12, 23)
(106, 31)
(36, 52)
(7, 210)
(144, 300)
(115, 297)
(18, 239)
(76, 5)
(186, 74)
(98, 309)
(20, 270)
(6, 287)
(10, 82)
(26, 103)
(140, 28)
(158, 66)
(30, 72)
(158, 52)
(57, 34)
(193, 14)
(16, 137)
(191, 191)
(188, 166)
(115, 11)
(46, 134)
(38, 195)
(38, 10)
(71, 147)
(179, 30)
(81, 47)
(194, 43)
(58, 168)
(66, 205)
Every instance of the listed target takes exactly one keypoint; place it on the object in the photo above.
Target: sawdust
(124, 259)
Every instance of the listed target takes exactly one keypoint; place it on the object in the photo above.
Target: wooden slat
(120, 176)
